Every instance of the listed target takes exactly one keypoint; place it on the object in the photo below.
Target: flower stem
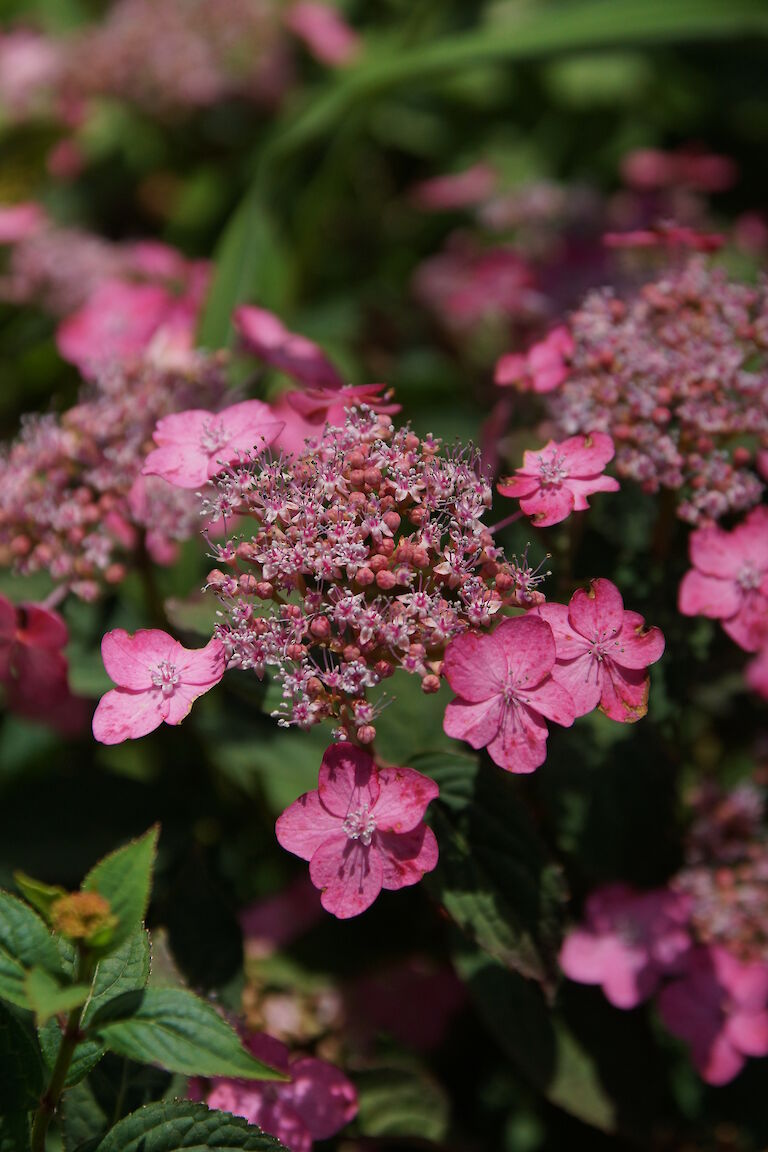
(49, 1100)
(505, 522)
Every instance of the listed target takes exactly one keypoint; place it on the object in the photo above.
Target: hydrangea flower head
(628, 941)
(729, 579)
(506, 692)
(542, 368)
(265, 336)
(193, 446)
(314, 1105)
(362, 830)
(719, 1007)
(157, 679)
(603, 651)
(556, 481)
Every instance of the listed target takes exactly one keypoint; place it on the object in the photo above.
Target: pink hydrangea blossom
(603, 651)
(556, 481)
(194, 445)
(157, 679)
(362, 830)
(729, 579)
(314, 1105)
(542, 368)
(266, 337)
(324, 31)
(506, 692)
(33, 668)
(628, 941)
(116, 323)
(719, 1007)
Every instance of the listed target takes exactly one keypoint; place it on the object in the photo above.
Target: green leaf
(14, 1132)
(536, 1040)
(47, 997)
(21, 1065)
(126, 970)
(401, 1102)
(177, 1030)
(177, 1125)
(12, 980)
(25, 938)
(124, 878)
(83, 1117)
(495, 878)
(41, 896)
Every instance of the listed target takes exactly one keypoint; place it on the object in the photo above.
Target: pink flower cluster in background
(677, 375)
(315, 1103)
(698, 944)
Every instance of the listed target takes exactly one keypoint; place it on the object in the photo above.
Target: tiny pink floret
(196, 445)
(557, 480)
(157, 679)
(362, 830)
(506, 692)
(603, 651)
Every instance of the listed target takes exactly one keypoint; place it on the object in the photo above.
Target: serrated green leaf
(125, 879)
(177, 1030)
(21, 1064)
(83, 1118)
(25, 937)
(401, 1102)
(174, 1126)
(495, 878)
(47, 997)
(12, 980)
(41, 896)
(126, 970)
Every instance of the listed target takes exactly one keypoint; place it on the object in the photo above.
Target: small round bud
(372, 477)
(377, 563)
(430, 684)
(383, 669)
(264, 590)
(351, 653)
(387, 546)
(248, 585)
(364, 577)
(386, 579)
(357, 477)
(366, 734)
(320, 628)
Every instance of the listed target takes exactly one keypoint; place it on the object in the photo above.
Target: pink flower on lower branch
(719, 1007)
(556, 481)
(193, 446)
(627, 942)
(506, 692)
(316, 1102)
(362, 830)
(603, 651)
(729, 579)
(157, 679)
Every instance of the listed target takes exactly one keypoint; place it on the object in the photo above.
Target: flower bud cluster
(72, 501)
(368, 554)
(678, 376)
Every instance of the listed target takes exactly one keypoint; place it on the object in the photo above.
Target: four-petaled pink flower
(542, 368)
(157, 679)
(362, 830)
(556, 481)
(629, 940)
(194, 446)
(505, 691)
(718, 1007)
(316, 1102)
(265, 335)
(603, 651)
(729, 579)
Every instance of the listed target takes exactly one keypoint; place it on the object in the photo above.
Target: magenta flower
(506, 692)
(157, 679)
(729, 579)
(719, 1008)
(193, 446)
(603, 651)
(557, 480)
(265, 335)
(629, 940)
(316, 1102)
(542, 368)
(324, 31)
(33, 668)
(362, 830)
